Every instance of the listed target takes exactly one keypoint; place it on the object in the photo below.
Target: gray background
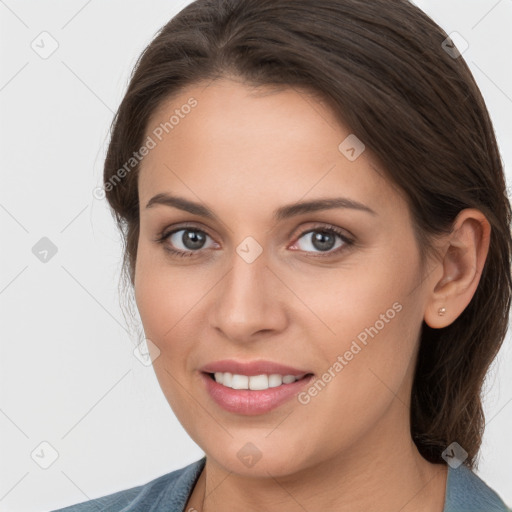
(68, 373)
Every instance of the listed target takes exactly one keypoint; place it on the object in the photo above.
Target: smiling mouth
(255, 382)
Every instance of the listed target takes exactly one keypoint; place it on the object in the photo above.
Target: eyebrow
(282, 213)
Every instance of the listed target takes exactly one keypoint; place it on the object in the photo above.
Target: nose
(249, 301)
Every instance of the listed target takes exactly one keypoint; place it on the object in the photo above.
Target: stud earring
(441, 311)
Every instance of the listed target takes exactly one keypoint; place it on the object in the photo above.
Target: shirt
(465, 492)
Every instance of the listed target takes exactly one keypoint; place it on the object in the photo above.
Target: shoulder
(467, 492)
(168, 492)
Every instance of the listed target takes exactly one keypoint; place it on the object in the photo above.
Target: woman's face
(264, 280)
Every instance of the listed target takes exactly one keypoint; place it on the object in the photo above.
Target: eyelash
(347, 242)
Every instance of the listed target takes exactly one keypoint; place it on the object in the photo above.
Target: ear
(463, 254)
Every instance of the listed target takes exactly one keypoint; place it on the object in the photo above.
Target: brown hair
(382, 67)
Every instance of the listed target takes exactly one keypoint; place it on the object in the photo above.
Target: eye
(184, 241)
(323, 240)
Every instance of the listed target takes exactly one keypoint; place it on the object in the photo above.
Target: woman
(318, 236)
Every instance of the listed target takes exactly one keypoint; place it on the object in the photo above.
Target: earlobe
(437, 316)
(463, 254)
(438, 319)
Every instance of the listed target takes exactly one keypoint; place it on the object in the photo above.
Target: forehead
(240, 141)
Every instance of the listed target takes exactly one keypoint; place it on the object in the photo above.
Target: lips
(249, 402)
(252, 401)
(251, 368)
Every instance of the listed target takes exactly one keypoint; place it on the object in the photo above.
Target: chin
(258, 459)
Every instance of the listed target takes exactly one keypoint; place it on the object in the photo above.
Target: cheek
(158, 296)
(374, 322)
(163, 300)
(375, 296)
(367, 372)
(168, 300)
(160, 307)
(355, 302)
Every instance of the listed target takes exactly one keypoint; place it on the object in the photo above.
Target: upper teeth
(255, 382)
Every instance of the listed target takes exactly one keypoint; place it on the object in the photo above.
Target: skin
(244, 152)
